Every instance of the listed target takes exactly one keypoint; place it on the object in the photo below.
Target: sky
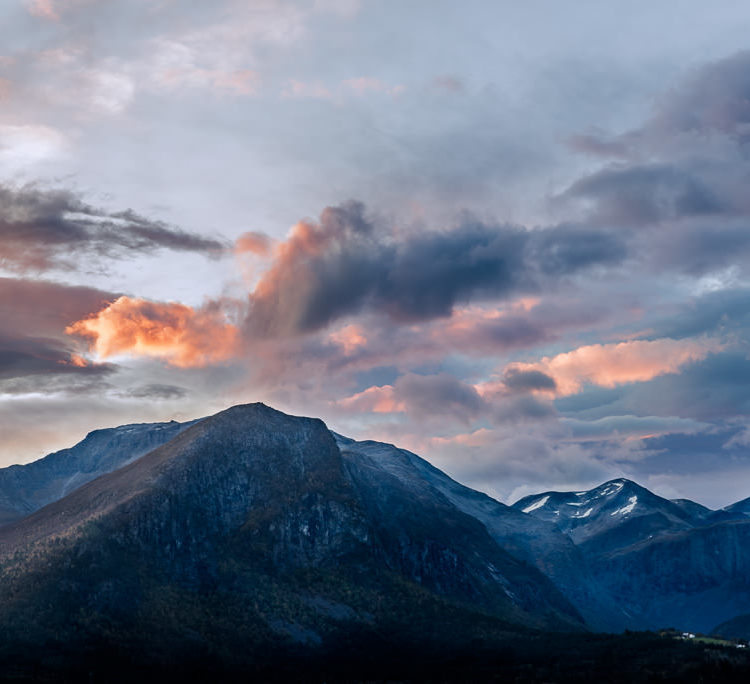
(511, 237)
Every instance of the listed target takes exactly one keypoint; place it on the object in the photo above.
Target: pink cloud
(610, 365)
(350, 338)
(380, 399)
(254, 243)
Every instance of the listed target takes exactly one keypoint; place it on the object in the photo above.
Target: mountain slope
(742, 507)
(691, 579)
(536, 542)
(26, 488)
(249, 527)
(736, 628)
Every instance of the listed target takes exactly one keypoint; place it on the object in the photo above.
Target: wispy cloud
(44, 229)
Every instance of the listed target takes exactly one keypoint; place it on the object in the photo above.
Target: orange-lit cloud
(610, 365)
(253, 243)
(466, 319)
(380, 399)
(349, 338)
(481, 437)
(180, 335)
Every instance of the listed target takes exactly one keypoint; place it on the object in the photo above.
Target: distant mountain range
(249, 532)
(666, 563)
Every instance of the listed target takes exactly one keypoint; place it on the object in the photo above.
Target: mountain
(536, 542)
(667, 563)
(260, 534)
(250, 533)
(741, 507)
(612, 515)
(26, 488)
(736, 628)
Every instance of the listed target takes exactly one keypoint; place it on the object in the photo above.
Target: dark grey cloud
(22, 356)
(156, 391)
(347, 263)
(700, 248)
(715, 98)
(645, 194)
(442, 395)
(44, 308)
(721, 312)
(521, 409)
(712, 101)
(35, 354)
(613, 427)
(42, 229)
(517, 380)
(680, 177)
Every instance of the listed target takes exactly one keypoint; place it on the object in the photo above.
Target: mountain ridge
(539, 562)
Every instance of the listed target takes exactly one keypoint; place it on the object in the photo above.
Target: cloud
(254, 243)
(45, 229)
(451, 84)
(22, 356)
(595, 144)
(422, 397)
(610, 365)
(303, 89)
(714, 389)
(633, 427)
(346, 263)
(645, 194)
(43, 8)
(40, 308)
(518, 380)
(35, 355)
(376, 399)
(25, 144)
(156, 391)
(349, 338)
(714, 99)
(363, 85)
(180, 335)
(478, 330)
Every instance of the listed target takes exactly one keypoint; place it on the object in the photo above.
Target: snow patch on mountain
(537, 504)
(632, 501)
